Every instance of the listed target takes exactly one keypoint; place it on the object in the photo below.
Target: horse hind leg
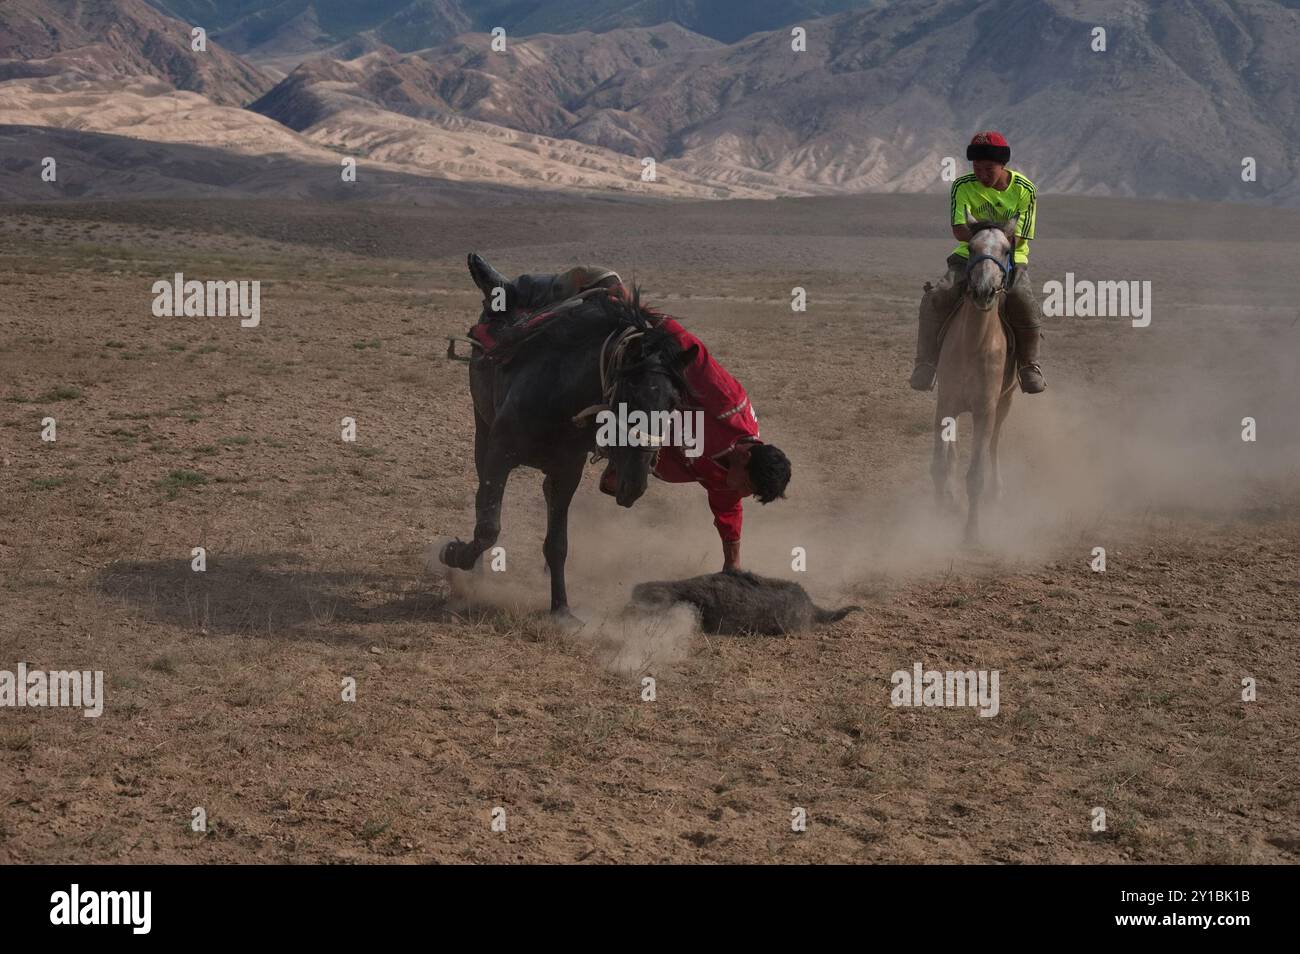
(981, 426)
(995, 468)
(941, 463)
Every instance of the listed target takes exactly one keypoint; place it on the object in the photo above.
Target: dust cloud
(1154, 433)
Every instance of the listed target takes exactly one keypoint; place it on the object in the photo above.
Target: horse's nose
(983, 295)
(629, 491)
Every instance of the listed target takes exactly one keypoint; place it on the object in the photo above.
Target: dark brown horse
(530, 389)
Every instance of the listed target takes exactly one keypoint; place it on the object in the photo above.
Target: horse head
(648, 377)
(992, 248)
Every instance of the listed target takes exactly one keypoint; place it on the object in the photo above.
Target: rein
(1007, 268)
(613, 353)
(611, 362)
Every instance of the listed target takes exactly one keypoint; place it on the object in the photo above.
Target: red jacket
(728, 418)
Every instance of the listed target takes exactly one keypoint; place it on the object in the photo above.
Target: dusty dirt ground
(1119, 690)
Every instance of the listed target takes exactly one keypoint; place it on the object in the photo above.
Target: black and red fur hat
(989, 145)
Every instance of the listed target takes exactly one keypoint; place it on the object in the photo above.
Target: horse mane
(656, 341)
(985, 226)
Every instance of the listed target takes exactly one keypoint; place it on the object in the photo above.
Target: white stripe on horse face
(984, 276)
(990, 242)
(984, 280)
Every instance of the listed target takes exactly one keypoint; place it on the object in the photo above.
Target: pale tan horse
(976, 374)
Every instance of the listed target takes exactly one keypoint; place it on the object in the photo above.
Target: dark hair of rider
(769, 472)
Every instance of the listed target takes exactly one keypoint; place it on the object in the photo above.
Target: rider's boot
(1026, 318)
(929, 321)
(1031, 375)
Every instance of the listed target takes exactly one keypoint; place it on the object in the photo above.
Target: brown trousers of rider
(1023, 313)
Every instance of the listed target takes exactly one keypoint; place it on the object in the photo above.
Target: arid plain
(1120, 690)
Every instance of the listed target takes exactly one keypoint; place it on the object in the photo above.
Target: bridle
(613, 357)
(1007, 268)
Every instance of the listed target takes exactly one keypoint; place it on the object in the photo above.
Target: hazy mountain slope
(274, 28)
(446, 147)
(118, 38)
(881, 96)
(150, 110)
(99, 165)
(725, 20)
(536, 85)
(1184, 90)
(449, 146)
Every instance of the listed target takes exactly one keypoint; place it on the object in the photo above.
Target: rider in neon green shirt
(989, 193)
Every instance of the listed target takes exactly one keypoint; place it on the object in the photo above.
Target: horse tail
(833, 616)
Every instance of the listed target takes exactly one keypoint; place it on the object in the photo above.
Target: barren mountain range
(1184, 92)
(277, 28)
(118, 38)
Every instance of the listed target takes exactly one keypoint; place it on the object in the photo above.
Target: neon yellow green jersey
(990, 205)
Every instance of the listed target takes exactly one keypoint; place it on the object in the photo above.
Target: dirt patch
(225, 688)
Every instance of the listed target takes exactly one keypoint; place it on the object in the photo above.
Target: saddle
(534, 300)
(499, 338)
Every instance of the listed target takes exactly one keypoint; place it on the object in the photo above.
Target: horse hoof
(453, 554)
(564, 618)
(434, 553)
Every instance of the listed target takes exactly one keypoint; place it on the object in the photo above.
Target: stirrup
(1020, 375)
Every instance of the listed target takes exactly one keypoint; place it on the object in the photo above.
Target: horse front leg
(995, 468)
(559, 486)
(981, 426)
(494, 469)
(941, 462)
(482, 441)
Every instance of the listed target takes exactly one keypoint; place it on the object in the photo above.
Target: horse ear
(687, 356)
(1011, 226)
(485, 276)
(970, 220)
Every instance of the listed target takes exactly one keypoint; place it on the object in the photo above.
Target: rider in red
(734, 463)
